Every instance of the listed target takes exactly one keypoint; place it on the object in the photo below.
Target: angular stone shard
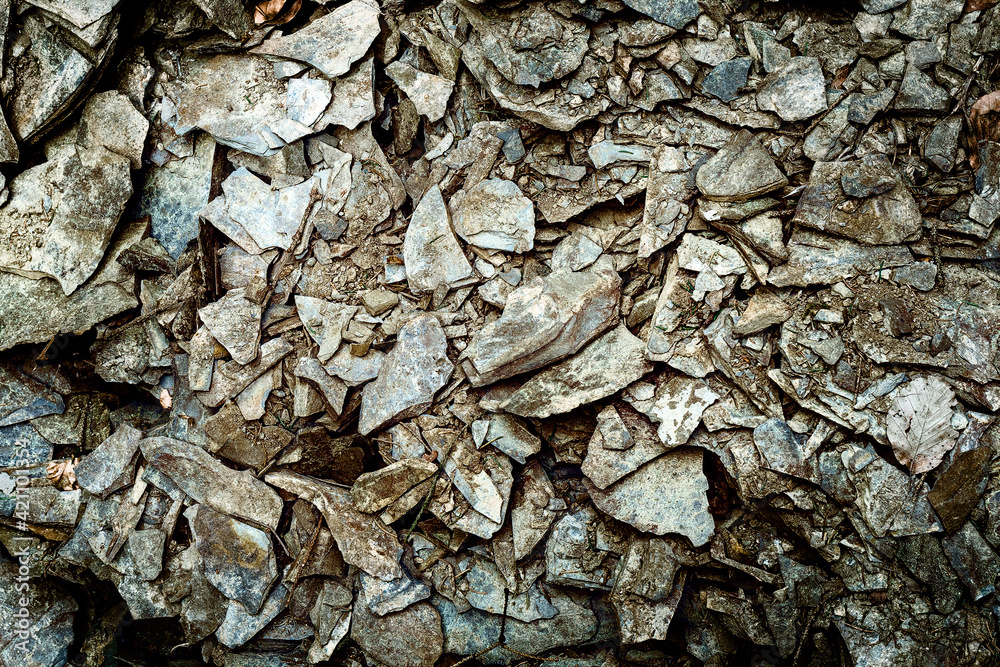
(201, 476)
(413, 371)
(764, 309)
(677, 406)
(431, 252)
(238, 559)
(60, 218)
(674, 13)
(604, 367)
(232, 377)
(332, 42)
(495, 214)
(428, 92)
(256, 216)
(784, 451)
(864, 200)
(374, 491)
(741, 170)
(666, 495)
(530, 513)
(543, 321)
(110, 466)
(174, 194)
(815, 258)
(23, 397)
(620, 445)
(234, 321)
(363, 540)
(795, 89)
(237, 99)
(408, 638)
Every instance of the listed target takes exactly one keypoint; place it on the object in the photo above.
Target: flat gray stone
(174, 194)
(604, 367)
(60, 218)
(201, 476)
(667, 495)
(238, 559)
(864, 200)
(794, 89)
(726, 79)
(234, 321)
(495, 214)
(620, 446)
(111, 465)
(674, 13)
(923, 19)
(413, 371)
(431, 252)
(741, 170)
(920, 93)
(543, 321)
(815, 258)
(332, 42)
(428, 92)
(23, 397)
(408, 638)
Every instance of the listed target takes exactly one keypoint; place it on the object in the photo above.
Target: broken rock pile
(597, 333)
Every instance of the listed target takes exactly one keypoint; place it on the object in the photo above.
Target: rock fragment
(740, 171)
(415, 369)
(666, 495)
(795, 89)
(431, 252)
(543, 321)
(606, 366)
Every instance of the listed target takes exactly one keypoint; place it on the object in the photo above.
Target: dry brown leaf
(919, 424)
(984, 123)
(62, 474)
(275, 12)
(978, 5)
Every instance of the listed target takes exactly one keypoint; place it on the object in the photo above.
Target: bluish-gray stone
(674, 13)
(726, 79)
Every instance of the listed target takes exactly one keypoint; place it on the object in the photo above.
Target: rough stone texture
(203, 478)
(431, 252)
(795, 89)
(363, 540)
(543, 321)
(741, 170)
(60, 218)
(674, 13)
(666, 495)
(331, 43)
(604, 367)
(51, 613)
(726, 79)
(109, 467)
(765, 309)
(238, 559)
(495, 214)
(415, 369)
(234, 321)
(620, 445)
(428, 92)
(173, 195)
(416, 631)
(874, 208)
